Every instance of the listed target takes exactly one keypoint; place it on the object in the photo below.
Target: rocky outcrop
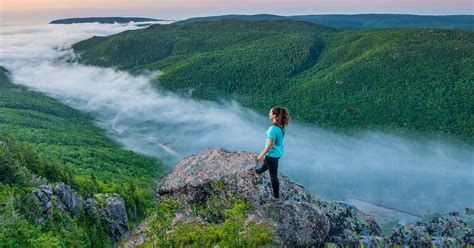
(114, 214)
(110, 207)
(296, 222)
(48, 197)
(447, 231)
(68, 197)
(300, 218)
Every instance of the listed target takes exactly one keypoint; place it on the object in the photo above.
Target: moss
(100, 198)
(219, 185)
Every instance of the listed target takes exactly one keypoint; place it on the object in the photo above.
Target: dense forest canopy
(407, 79)
(463, 22)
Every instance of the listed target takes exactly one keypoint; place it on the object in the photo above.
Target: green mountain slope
(60, 131)
(41, 136)
(102, 20)
(464, 22)
(418, 79)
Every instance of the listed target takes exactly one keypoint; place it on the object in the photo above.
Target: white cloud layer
(414, 175)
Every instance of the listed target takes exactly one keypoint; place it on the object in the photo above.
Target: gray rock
(68, 197)
(447, 231)
(137, 237)
(45, 199)
(347, 223)
(411, 235)
(111, 209)
(114, 215)
(300, 219)
(296, 222)
(91, 206)
(187, 217)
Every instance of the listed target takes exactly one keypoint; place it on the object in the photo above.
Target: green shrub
(229, 232)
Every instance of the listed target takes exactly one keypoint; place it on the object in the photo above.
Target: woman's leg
(263, 168)
(273, 170)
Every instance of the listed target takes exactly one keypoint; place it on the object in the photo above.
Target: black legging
(271, 164)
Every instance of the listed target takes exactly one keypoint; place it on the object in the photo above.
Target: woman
(273, 150)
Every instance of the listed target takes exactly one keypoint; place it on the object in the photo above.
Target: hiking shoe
(257, 175)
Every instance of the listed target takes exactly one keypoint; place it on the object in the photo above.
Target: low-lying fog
(388, 169)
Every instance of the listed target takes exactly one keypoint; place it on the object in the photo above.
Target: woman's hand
(270, 143)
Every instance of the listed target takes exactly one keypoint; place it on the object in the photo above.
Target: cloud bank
(414, 175)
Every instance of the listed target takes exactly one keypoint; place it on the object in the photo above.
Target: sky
(43, 11)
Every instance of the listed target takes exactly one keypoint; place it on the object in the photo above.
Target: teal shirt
(275, 132)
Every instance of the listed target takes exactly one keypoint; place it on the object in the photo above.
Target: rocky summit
(299, 218)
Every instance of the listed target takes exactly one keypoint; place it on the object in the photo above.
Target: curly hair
(282, 116)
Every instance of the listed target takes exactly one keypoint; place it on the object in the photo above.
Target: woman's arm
(266, 149)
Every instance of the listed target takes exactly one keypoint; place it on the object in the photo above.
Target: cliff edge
(299, 218)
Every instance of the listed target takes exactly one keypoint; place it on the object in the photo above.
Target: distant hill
(465, 22)
(409, 79)
(102, 20)
(257, 17)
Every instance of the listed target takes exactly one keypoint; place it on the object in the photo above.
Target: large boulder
(114, 213)
(300, 218)
(111, 209)
(296, 222)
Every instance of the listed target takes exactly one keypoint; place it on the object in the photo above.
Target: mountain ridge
(110, 20)
(464, 22)
(402, 79)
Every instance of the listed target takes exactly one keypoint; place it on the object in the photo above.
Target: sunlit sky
(42, 11)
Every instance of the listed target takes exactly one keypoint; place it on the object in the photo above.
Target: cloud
(415, 175)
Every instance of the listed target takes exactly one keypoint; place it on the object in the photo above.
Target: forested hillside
(407, 79)
(463, 22)
(102, 20)
(43, 141)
